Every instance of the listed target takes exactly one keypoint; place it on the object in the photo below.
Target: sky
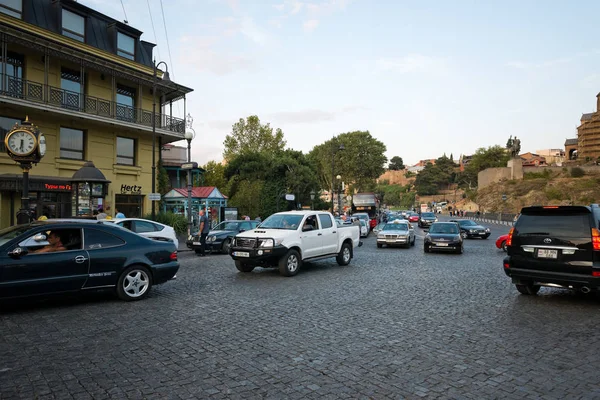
(424, 78)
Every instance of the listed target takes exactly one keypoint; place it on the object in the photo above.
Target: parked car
(287, 239)
(501, 242)
(219, 238)
(470, 229)
(444, 236)
(150, 229)
(364, 229)
(427, 218)
(555, 246)
(93, 255)
(396, 233)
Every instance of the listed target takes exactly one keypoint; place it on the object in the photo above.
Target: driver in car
(54, 244)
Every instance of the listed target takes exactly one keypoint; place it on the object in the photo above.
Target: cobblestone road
(396, 323)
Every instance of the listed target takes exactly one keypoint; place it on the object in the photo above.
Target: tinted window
(444, 228)
(577, 225)
(125, 151)
(395, 227)
(96, 239)
(13, 8)
(325, 221)
(144, 226)
(73, 25)
(125, 46)
(428, 214)
(71, 143)
(254, 224)
(246, 226)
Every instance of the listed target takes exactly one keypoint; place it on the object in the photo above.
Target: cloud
(310, 25)
(206, 58)
(544, 64)
(313, 11)
(409, 63)
(311, 116)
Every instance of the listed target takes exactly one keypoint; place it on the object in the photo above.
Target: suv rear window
(551, 224)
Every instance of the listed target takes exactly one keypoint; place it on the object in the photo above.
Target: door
(311, 237)
(107, 257)
(330, 234)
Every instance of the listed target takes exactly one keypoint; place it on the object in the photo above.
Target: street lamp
(190, 134)
(312, 199)
(165, 78)
(333, 152)
(339, 193)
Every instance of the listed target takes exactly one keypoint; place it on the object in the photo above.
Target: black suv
(555, 246)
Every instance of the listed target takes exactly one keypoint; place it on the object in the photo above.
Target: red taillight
(596, 239)
(550, 207)
(509, 240)
(596, 274)
(506, 265)
(173, 256)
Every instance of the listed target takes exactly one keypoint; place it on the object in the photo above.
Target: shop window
(14, 8)
(73, 25)
(12, 82)
(95, 239)
(125, 151)
(71, 143)
(125, 46)
(6, 124)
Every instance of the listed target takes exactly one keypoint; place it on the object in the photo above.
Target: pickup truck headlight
(269, 242)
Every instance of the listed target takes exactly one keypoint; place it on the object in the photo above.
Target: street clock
(25, 143)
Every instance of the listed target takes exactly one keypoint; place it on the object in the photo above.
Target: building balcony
(45, 97)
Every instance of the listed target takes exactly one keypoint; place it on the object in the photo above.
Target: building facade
(588, 135)
(89, 83)
(172, 159)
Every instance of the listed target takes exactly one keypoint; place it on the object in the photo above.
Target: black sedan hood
(222, 233)
(447, 236)
(428, 218)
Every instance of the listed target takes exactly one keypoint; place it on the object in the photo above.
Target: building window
(125, 46)
(12, 83)
(125, 151)
(71, 143)
(73, 25)
(14, 8)
(71, 83)
(125, 103)
(130, 205)
(6, 124)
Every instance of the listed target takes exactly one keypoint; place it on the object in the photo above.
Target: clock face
(21, 143)
(42, 144)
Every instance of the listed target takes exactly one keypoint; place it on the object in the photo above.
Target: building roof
(587, 117)
(199, 192)
(571, 142)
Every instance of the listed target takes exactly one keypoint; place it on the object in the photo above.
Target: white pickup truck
(285, 240)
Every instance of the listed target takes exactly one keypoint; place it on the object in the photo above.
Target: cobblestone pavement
(396, 323)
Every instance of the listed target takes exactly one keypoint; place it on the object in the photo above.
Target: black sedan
(219, 238)
(56, 256)
(427, 218)
(444, 236)
(471, 229)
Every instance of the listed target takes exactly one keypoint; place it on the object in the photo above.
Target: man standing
(119, 214)
(204, 229)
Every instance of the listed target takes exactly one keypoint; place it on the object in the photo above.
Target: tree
(396, 164)
(492, 157)
(249, 135)
(163, 182)
(214, 175)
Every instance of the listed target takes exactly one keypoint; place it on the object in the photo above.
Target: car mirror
(242, 230)
(40, 237)
(17, 252)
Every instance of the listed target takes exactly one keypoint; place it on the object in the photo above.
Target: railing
(78, 102)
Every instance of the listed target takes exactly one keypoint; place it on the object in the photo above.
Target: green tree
(429, 180)
(214, 175)
(163, 182)
(249, 135)
(396, 164)
(492, 157)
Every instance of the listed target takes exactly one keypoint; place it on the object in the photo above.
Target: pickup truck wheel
(290, 263)
(243, 267)
(529, 289)
(345, 255)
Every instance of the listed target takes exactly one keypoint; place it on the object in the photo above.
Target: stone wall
(395, 178)
(491, 175)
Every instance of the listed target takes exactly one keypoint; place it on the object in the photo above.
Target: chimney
(598, 102)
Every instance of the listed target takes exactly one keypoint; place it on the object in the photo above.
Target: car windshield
(282, 221)
(227, 226)
(8, 234)
(395, 227)
(363, 223)
(428, 215)
(467, 222)
(444, 228)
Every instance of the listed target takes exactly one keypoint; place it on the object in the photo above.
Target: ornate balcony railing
(83, 103)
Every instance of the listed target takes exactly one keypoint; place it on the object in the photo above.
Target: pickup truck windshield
(280, 221)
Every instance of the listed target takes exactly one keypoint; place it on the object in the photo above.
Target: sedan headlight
(472, 230)
(487, 229)
(211, 238)
(380, 236)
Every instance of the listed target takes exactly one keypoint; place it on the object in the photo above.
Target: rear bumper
(523, 275)
(164, 272)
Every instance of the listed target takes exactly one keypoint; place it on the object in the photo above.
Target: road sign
(154, 196)
(190, 165)
(290, 197)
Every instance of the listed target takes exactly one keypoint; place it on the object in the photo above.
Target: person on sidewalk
(204, 229)
(119, 214)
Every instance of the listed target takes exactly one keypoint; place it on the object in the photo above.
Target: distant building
(463, 161)
(416, 168)
(172, 158)
(551, 152)
(588, 135)
(571, 148)
(532, 159)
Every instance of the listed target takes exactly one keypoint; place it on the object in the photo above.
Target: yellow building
(86, 80)
(588, 135)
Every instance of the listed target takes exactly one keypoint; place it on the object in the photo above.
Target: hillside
(550, 187)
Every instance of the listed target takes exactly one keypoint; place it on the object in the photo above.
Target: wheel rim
(504, 246)
(463, 235)
(136, 283)
(226, 246)
(292, 263)
(346, 254)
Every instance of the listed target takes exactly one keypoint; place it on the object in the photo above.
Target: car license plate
(545, 253)
(442, 244)
(241, 254)
(197, 243)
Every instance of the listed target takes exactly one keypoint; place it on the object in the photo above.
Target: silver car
(397, 233)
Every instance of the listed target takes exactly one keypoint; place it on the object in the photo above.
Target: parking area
(395, 323)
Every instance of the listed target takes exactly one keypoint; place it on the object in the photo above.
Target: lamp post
(312, 199)
(339, 193)
(190, 134)
(154, 79)
(334, 150)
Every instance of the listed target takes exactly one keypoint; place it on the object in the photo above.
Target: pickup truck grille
(245, 242)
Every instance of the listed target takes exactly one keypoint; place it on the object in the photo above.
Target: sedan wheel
(226, 246)
(134, 284)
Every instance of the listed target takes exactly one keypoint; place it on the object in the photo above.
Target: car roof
(300, 212)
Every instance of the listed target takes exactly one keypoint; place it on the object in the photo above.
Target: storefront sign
(49, 186)
(135, 189)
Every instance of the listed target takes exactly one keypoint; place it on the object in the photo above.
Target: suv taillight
(509, 240)
(596, 239)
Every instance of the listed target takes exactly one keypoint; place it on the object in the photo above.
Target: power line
(126, 19)
(168, 47)
(153, 29)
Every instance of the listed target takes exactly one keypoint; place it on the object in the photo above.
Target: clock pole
(24, 216)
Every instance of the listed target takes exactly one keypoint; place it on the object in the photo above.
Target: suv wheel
(528, 289)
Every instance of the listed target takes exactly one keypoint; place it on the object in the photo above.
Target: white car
(146, 228)
(364, 229)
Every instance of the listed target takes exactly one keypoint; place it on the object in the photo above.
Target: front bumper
(483, 235)
(394, 241)
(258, 255)
(443, 246)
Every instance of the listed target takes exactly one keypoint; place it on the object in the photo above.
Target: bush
(577, 172)
(546, 174)
(554, 193)
(177, 221)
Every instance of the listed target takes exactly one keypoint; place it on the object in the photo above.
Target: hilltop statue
(514, 146)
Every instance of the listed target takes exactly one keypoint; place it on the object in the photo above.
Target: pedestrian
(258, 219)
(247, 218)
(204, 229)
(119, 214)
(101, 214)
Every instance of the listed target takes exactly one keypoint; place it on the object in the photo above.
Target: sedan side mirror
(40, 237)
(242, 230)
(17, 252)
